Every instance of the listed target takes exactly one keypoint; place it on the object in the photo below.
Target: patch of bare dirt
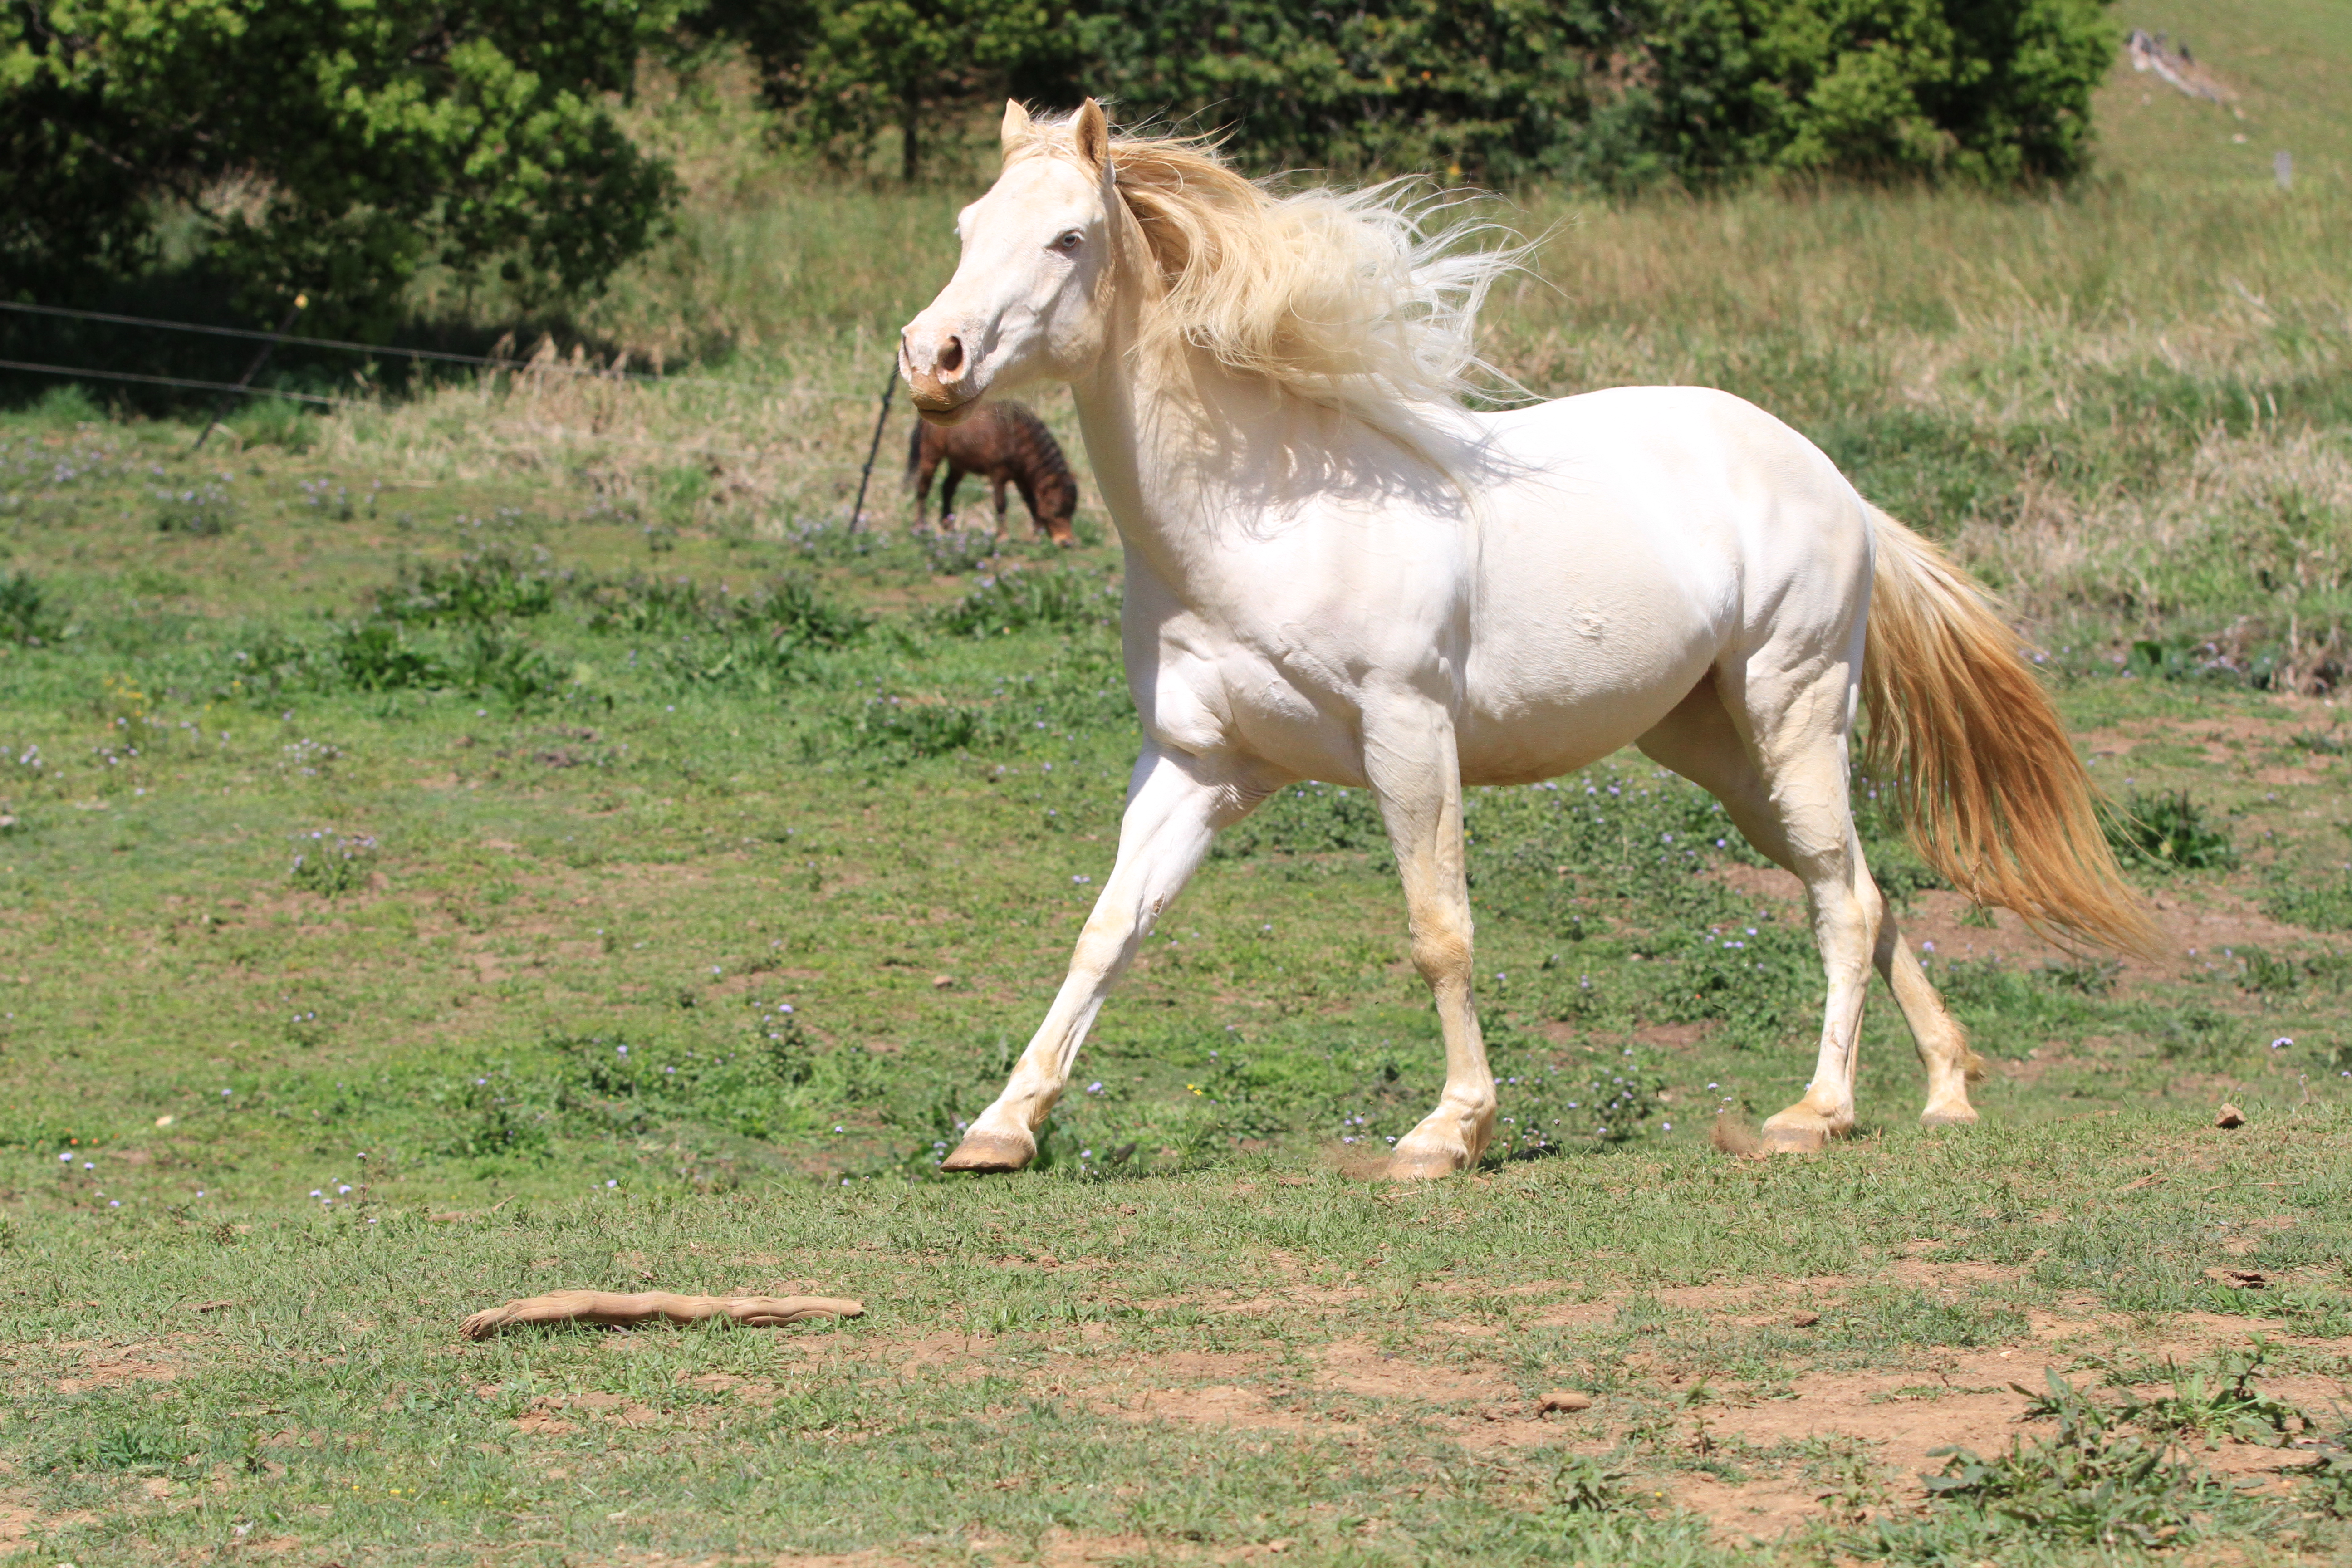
(1358, 1366)
(108, 1366)
(549, 1414)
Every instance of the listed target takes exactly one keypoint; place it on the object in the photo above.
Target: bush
(1997, 92)
(394, 137)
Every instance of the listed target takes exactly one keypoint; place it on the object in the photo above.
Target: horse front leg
(1175, 806)
(1412, 764)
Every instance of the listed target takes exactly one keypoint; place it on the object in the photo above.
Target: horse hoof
(1424, 1164)
(990, 1153)
(1955, 1116)
(1795, 1138)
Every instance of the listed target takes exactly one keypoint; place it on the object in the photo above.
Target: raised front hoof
(1948, 1116)
(990, 1153)
(1786, 1134)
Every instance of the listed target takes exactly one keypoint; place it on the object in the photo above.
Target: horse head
(1030, 298)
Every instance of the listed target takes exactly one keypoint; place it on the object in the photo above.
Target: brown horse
(1001, 442)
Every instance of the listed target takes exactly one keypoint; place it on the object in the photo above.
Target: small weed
(2205, 1406)
(2092, 1483)
(951, 552)
(203, 510)
(140, 1447)
(2315, 904)
(27, 616)
(2085, 976)
(2326, 1484)
(330, 863)
(2169, 832)
(507, 667)
(483, 587)
(1015, 600)
(1583, 1484)
(374, 656)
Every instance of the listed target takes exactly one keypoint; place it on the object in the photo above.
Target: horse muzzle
(938, 376)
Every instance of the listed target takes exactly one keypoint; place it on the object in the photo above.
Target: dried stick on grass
(608, 1307)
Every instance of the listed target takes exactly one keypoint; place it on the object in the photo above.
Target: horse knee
(1441, 952)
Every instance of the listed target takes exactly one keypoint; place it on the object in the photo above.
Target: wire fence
(543, 360)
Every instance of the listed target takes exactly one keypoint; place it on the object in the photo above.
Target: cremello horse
(1334, 572)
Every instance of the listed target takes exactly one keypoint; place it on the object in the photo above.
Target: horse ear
(1017, 126)
(1091, 134)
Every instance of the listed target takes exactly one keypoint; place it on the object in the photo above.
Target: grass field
(517, 837)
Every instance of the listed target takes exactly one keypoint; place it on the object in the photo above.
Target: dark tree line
(342, 146)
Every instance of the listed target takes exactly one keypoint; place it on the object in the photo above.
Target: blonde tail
(1961, 731)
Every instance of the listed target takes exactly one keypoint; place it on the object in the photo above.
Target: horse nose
(945, 354)
(936, 365)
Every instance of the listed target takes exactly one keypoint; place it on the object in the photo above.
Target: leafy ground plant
(2092, 1481)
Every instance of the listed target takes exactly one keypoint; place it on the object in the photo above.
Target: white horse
(1334, 572)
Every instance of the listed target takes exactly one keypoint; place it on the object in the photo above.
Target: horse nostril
(950, 358)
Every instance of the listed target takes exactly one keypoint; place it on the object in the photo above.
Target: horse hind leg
(1785, 788)
(1942, 1040)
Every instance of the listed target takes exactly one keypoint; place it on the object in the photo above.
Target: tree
(1616, 92)
(333, 146)
(1995, 90)
(844, 70)
(1496, 90)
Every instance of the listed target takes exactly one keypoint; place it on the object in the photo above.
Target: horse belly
(1597, 614)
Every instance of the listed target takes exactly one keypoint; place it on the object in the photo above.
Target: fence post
(301, 303)
(873, 448)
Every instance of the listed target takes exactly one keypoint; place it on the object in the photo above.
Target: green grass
(518, 838)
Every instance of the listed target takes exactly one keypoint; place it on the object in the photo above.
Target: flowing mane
(1360, 300)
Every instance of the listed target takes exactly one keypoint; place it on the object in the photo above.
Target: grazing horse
(1336, 571)
(1000, 442)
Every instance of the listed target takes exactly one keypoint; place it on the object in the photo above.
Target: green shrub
(1308, 819)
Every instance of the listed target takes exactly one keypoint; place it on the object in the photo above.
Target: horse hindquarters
(1780, 772)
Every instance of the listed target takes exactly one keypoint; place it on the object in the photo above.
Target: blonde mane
(1365, 301)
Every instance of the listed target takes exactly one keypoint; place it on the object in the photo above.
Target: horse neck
(1187, 456)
